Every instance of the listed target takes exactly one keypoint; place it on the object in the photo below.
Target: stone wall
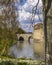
(39, 45)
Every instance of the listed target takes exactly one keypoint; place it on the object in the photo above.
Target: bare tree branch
(34, 9)
(34, 13)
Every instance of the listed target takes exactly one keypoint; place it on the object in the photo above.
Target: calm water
(22, 49)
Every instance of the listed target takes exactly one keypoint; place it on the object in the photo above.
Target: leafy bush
(18, 63)
(6, 63)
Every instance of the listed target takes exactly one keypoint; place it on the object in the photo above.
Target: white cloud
(25, 12)
(23, 15)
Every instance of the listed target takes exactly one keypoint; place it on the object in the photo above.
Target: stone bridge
(24, 37)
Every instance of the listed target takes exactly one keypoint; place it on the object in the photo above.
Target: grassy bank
(9, 61)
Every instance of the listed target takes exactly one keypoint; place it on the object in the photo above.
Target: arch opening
(30, 39)
(21, 38)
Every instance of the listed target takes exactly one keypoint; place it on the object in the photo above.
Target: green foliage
(24, 63)
(8, 26)
(6, 41)
(20, 31)
(8, 61)
(19, 63)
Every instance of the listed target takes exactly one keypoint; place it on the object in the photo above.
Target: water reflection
(22, 49)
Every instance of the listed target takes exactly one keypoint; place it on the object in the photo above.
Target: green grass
(20, 61)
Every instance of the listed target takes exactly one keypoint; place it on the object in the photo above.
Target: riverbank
(20, 61)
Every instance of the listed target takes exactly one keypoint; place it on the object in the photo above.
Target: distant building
(38, 35)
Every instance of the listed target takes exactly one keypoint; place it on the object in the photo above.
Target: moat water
(23, 50)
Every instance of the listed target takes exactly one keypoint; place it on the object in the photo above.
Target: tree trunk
(47, 7)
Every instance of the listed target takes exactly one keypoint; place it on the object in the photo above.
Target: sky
(25, 14)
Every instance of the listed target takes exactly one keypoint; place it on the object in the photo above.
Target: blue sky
(25, 14)
(23, 2)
